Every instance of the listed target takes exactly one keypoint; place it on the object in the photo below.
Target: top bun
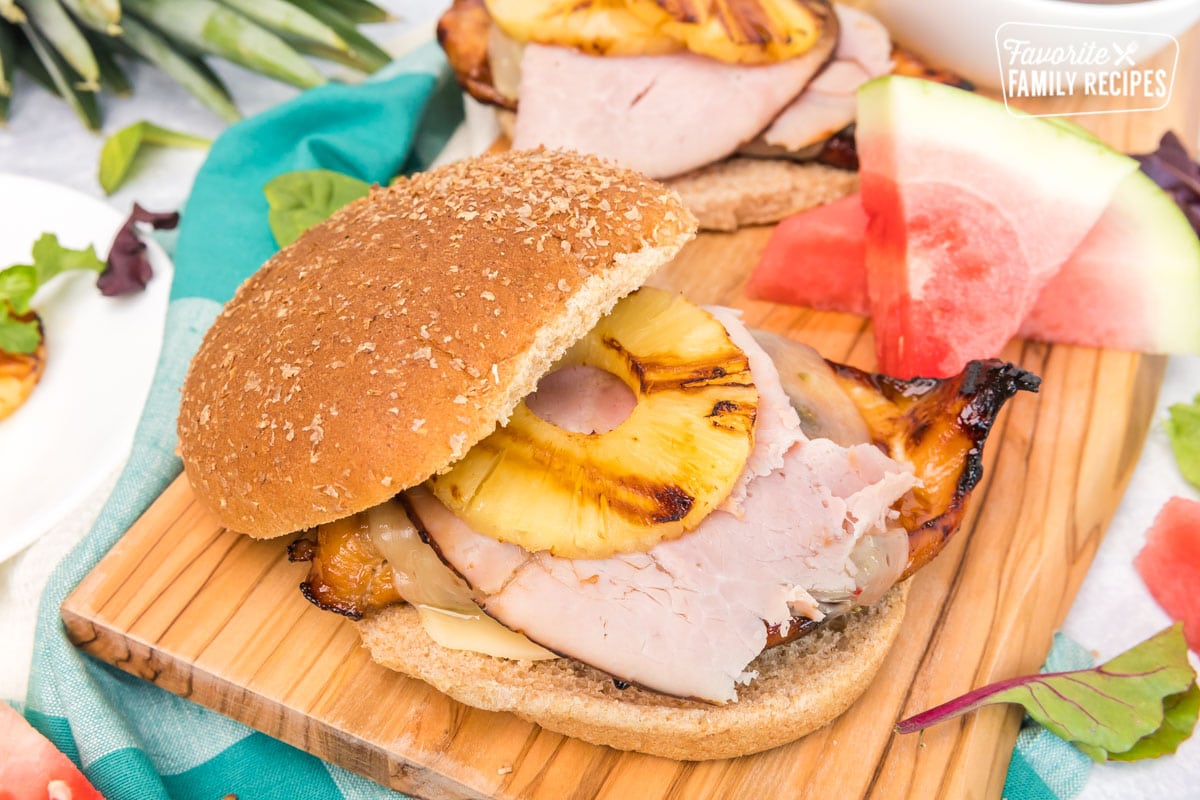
(386, 341)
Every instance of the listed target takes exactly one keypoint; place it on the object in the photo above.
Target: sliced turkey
(776, 425)
(686, 617)
(661, 115)
(827, 104)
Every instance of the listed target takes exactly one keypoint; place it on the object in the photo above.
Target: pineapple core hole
(582, 399)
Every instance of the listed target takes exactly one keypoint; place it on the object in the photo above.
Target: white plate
(77, 426)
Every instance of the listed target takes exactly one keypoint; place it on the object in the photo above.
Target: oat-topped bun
(801, 686)
(388, 340)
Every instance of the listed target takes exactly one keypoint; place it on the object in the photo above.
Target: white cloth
(1114, 611)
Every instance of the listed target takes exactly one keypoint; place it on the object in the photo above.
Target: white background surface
(45, 140)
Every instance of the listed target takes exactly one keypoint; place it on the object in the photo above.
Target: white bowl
(961, 34)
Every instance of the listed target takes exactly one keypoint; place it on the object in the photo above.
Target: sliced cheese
(479, 633)
(443, 600)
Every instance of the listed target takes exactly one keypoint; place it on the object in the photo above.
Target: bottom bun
(736, 192)
(800, 687)
(741, 191)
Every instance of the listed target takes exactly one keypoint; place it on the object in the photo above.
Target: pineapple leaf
(112, 75)
(290, 20)
(63, 79)
(364, 54)
(358, 10)
(10, 11)
(8, 59)
(64, 36)
(209, 27)
(189, 73)
(73, 45)
(100, 15)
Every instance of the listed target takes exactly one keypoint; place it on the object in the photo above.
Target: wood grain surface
(216, 617)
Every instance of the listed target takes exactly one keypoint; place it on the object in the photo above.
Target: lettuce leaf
(299, 200)
(1140, 704)
(1183, 428)
(20, 282)
(18, 336)
(51, 259)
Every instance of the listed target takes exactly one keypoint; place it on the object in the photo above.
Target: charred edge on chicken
(930, 423)
(462, 32)
(346, 574)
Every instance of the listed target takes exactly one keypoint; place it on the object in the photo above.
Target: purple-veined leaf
(1140, 704)
(1173, 170)
(128, 270)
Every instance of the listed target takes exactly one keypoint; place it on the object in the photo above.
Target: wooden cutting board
(217, 618)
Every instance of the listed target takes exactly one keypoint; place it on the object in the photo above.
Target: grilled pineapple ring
(733, 31)
(739, 31)
(598, 27)
(654, 476)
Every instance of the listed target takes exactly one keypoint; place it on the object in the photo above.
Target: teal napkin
(133, 740)
(1043, 766)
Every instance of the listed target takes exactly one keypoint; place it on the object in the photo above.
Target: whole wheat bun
(385, 342)
(801, 686)
(741, 191)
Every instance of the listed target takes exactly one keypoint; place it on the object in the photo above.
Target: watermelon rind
(1155, 227)
(1172, 277)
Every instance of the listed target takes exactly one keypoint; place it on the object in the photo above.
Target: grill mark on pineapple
(745, 22)
(730, 368)
(722, 407)
(662, 502)
(674, 504)
(729, 416)
(704, 382)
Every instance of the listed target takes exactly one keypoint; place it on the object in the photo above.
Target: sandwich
(746, 109)
(544, 488)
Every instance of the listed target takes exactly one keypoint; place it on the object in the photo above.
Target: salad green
(20, 282)
(1140, 704)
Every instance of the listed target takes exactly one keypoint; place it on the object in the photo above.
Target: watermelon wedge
(1170, 564)
(1133, 284)
(31, 768)
(817, 258)
(973, 210)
